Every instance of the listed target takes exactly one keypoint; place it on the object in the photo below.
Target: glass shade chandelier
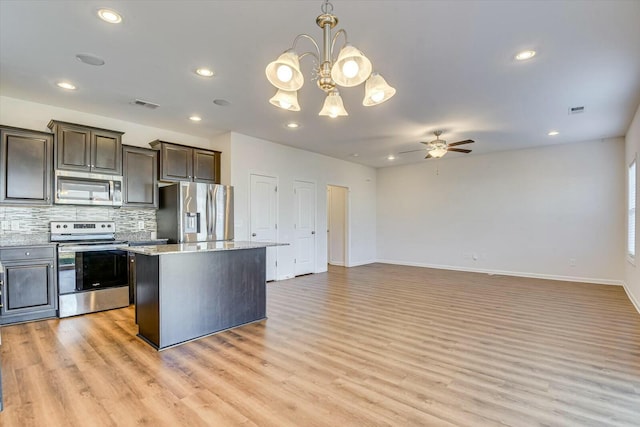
(349, 69)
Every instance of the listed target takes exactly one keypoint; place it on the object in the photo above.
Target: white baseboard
(632, 297)
(357, 264)
(509, 273)
(339, 264)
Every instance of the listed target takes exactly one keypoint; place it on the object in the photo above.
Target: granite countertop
(36, 243)
(198, 247)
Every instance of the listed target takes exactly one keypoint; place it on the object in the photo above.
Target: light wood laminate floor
(365, 346)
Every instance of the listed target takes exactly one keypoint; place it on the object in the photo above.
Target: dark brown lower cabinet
(29, 283)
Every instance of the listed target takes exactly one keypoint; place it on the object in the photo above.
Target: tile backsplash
(30, 225)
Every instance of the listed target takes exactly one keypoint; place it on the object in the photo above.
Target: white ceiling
(450, 61)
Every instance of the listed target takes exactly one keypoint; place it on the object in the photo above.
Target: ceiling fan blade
(466, 141)
(428, 156)
(425, 142)
(459, 150)
(410, 151)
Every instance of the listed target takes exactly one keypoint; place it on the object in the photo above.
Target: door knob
(313, 232)
(253, 234)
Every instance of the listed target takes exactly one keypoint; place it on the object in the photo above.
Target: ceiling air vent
(576, 110)
(147, 104)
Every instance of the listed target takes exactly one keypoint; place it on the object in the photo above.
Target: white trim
(358, 264)
(632, 298)
(338, 264)
(509, 273)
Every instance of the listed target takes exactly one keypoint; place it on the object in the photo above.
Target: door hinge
(276, 188)
(276, 263)
(295, 261)
(276, 226)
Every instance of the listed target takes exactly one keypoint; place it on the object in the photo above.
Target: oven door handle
(91, 248)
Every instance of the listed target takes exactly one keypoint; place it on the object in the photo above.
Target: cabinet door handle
(27, 253)
(313, 232)
(253, 234)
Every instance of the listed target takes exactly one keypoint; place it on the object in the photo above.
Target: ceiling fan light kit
(350, 68)
(439, 147)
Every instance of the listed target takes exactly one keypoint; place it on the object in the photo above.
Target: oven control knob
(64, 226)
(109, 225)
(102, 225)
(58, 226)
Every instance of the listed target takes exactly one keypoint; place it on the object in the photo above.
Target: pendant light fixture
(349, 69)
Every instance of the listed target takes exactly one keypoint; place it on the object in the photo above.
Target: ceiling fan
(439, 147)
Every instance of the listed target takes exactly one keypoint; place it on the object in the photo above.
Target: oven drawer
(27, 252)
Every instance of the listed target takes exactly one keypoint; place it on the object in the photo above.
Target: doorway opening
(337, 225)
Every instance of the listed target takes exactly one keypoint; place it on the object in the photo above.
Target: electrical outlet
(140, 225)
(475, 256)
(572, 262)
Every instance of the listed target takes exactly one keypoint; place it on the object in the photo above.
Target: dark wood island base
(187, 295)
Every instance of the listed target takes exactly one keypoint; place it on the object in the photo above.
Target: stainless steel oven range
(93, 271)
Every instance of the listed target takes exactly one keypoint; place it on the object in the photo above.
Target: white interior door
(263, 212)
(304, 200)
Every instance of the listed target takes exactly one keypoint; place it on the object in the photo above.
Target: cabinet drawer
(25, 252)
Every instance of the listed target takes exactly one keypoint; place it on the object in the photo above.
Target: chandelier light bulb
(287, 100)
(350, 69)
(377, 96)
(333, 106)
(285, 73)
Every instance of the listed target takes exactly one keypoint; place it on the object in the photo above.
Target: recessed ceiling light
(90, 59)
(204, 72)
(221, 102)
(391, 157)
(553, 133)
(66, 85)
(293, 125)
(195, 118)
(525, 54)
(110, 16)
(354, 154)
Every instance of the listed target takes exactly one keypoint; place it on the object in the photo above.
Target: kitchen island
(190, 290)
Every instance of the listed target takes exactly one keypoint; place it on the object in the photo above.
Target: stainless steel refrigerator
(195, 212)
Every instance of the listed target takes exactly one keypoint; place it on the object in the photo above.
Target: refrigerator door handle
(210, 214)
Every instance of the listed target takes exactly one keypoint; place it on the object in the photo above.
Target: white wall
(35, 116)
(632, 271)
(528, 212)
(252, 155)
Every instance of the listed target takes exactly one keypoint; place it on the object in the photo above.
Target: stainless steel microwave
(82, 188)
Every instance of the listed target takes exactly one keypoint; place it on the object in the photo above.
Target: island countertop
(195, 247)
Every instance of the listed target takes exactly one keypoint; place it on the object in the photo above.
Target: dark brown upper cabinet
(140, 178)
(87, 149)
(25, 166)
(182, 163)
